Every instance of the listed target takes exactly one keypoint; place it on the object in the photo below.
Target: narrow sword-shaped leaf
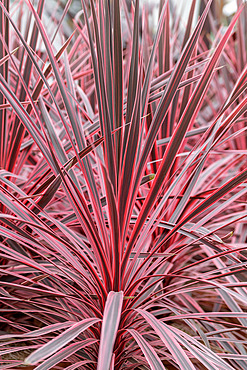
(118, 78)
(207, 357)
(169, 340)
(60, 341)
(114, 229)
(133, 75)
(111, 319)
(38, 333)
(148, 351)
(64, 353)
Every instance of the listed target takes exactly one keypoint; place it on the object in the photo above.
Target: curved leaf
(60, 341)
(169, 340)
(150, 354)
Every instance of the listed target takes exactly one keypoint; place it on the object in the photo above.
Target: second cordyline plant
(122, 189)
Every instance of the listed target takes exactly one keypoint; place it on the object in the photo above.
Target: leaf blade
(110, 325)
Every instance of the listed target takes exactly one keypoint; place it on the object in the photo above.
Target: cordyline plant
(122, 189)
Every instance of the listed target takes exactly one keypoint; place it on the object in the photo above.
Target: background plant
(123, 190)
